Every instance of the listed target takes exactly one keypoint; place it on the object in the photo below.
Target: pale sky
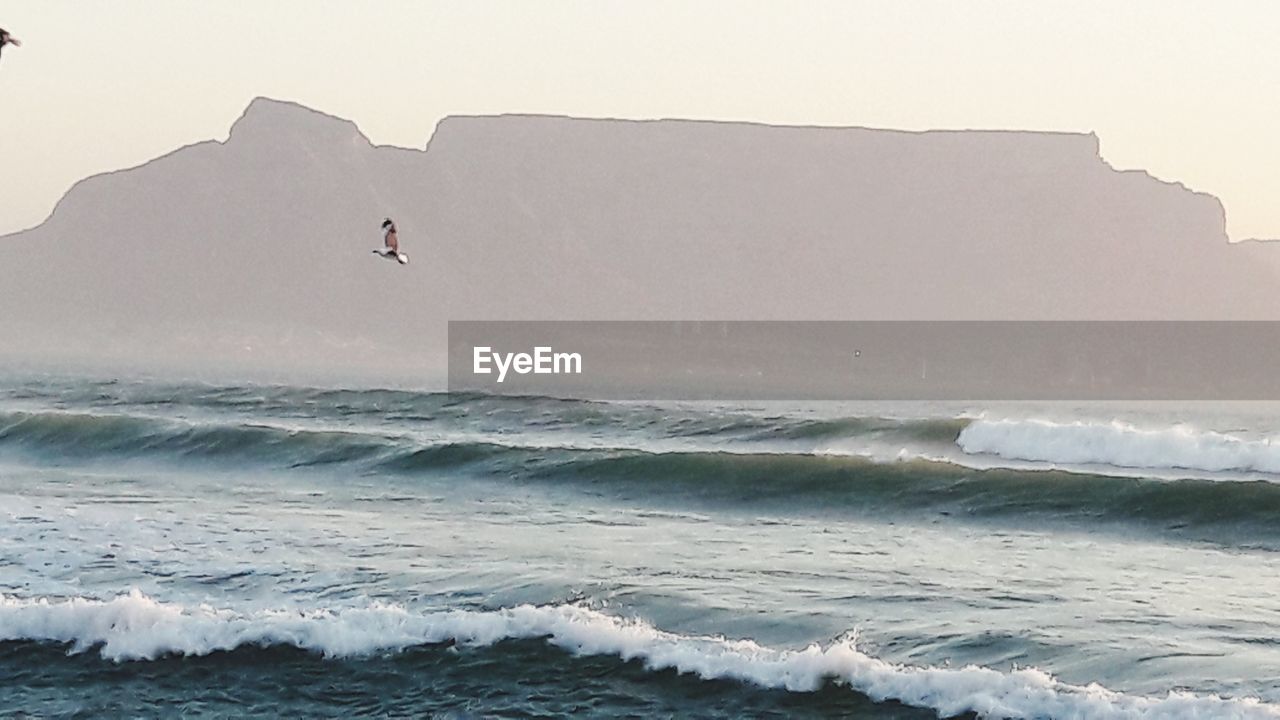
(1186, 89)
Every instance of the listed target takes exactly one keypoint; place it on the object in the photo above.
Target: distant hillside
(256, 251)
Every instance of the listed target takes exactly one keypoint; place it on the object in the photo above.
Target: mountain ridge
(265, 236)
(262, 101)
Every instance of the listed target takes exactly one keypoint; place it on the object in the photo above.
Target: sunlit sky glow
(1189, 91)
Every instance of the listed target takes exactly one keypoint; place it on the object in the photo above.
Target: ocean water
(172, 548)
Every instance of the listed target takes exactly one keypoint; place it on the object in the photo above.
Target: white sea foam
(136, 627)
(1120, 445)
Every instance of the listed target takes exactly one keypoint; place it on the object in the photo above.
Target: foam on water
(284, 435)
(136, 627)
(1120, 444)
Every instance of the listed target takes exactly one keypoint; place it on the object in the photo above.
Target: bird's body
(390, 239)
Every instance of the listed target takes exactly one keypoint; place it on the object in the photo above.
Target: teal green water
(254, 550)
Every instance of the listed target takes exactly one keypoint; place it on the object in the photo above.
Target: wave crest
(136, 627)
(1119, 444)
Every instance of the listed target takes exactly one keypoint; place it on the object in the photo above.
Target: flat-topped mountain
(257, 249)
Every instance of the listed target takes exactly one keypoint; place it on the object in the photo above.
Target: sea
(179, 548)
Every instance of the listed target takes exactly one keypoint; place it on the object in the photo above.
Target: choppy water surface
(170, 547)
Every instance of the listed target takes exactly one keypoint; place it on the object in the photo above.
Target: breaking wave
(715, 470)
(1121, 445)
(135, 627)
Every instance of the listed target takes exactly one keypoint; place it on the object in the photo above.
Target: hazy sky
(1187, 89)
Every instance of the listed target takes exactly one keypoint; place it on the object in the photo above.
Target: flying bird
(391, 243)
(7, 39)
